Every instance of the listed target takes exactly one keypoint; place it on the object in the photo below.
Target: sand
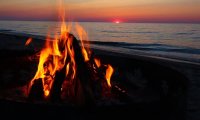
(161, 88)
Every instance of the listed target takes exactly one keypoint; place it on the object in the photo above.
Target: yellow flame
(67, 69)
(109, 72)
(46, 92)
(72, 55)
(53, 57)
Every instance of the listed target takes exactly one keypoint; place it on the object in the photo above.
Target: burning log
(121, 94)
(90, 82)
(69, 72)
(55, 93)
(82, 80)
(83, 73)
(36, 91)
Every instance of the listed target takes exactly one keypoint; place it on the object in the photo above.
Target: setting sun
(117, 21)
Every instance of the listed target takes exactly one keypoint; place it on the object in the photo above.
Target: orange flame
(53, 57)
(28, 41)
(109, 72)
(83, 37)
(97, 62)
(58, 54)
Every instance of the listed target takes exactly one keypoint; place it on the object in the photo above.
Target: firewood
(121, 94)
(82, 82)
(83, 73)
(36, 90)
(55, 93)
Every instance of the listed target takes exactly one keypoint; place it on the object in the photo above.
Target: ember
(29, 40)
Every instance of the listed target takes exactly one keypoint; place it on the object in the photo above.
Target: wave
(185, 33)
(198, 38)
(147, 32)
(188, 51)
(118, 36)
(138, 32)
(5, 30)
(109, 31)
(150, 47)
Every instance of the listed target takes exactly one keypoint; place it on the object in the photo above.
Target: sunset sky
(103, 10)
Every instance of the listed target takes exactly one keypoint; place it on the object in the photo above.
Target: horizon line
(192, 22)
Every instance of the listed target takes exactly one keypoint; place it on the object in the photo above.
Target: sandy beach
(160, 88)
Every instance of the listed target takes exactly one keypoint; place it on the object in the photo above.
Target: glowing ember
(46, 92)
(28, 41)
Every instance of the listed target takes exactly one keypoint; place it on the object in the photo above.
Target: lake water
(176, 41)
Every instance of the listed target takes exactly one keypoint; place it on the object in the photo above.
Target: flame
(109, 72)
(28, 41)
(46, 92)
(97, 62)
(53, 57)
(58, 54)
(82, 34)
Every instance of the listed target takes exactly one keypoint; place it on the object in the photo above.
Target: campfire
(69, 71)
(58, 76)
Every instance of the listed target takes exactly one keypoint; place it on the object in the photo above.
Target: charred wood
(121, 94)
(36, 90)
(83, 73)
(55, 93)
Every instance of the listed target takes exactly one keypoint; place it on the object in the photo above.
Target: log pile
(88, 85)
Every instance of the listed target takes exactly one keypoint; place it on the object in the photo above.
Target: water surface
(178, 41)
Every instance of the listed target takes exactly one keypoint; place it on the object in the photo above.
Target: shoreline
(160, 51)
(17, 42)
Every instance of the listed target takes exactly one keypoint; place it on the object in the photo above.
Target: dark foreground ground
(160, 89)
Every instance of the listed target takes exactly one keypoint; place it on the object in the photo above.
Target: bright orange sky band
(104, 10)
